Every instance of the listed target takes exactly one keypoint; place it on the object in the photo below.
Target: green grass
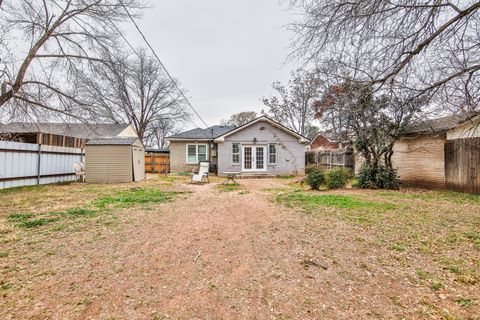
(3, 254)
(464, 302)
(449, 196)
(309, 201)
(76, 212)
(398, 247)
(131, 198)
(122, 199)
(228, 187)
(348, 208)
(19, 217)
(35, 223)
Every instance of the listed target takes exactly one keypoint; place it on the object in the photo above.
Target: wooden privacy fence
(462, 165)
(331, 159)
(25, 164)
(157, 163)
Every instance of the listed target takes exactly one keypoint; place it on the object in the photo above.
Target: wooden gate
(157, 163)
(462, 165)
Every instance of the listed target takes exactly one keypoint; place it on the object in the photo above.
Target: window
(202, 152)
(196, 153)
(272, 153)
(236, 153)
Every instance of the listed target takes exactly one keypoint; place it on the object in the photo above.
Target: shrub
(378, 178)
(311, 168)
(315, 179)
(337, 178)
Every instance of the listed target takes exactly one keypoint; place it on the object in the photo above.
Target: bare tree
(132, 89)
(161, 131)
(239, 119)
(61, 37)
(428, 47)
(294, 106)
(311, 131)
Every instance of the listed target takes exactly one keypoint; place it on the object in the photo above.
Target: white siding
(291, 153)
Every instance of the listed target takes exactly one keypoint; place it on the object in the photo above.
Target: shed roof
(77, 130)
(113, 141)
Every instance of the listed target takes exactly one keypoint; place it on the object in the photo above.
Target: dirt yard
(266, 250)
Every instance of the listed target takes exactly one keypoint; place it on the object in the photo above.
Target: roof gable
(274, 123)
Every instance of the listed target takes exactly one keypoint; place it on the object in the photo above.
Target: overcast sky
(225, 53)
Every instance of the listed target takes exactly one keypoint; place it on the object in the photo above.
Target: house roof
(276, 124)
(439, 124)
(334, 137)
(77, 130)
(113, 141)
(202, 134)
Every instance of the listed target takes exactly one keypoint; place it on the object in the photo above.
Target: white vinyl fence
(25, 164)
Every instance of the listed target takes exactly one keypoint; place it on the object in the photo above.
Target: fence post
(39, 164)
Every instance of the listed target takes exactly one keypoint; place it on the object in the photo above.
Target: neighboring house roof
(77, 130)
(274, 123)
(113, 141)
(210, 133)
(439, 124)
(334, 137)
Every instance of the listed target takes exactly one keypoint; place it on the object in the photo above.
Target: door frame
(254, 158)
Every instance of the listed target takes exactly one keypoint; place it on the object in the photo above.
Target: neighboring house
(328, 140)
(260, 147)
(63, 134)
(419, 156)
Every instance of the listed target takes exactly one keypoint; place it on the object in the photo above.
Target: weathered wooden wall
(462, 165)
(157, 163)
(24, 164)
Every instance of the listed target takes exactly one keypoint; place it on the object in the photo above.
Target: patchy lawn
(267, 249)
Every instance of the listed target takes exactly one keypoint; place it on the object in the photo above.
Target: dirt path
(213, 255)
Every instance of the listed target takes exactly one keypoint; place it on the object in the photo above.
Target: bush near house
(315, 178)
(378, 178)
(332, 179)
(337, 178)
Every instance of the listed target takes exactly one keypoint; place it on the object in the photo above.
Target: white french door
(254, 159)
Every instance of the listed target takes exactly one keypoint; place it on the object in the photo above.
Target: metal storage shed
(114, 160)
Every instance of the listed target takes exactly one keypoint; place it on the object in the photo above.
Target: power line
(161, 63)
(135, 51)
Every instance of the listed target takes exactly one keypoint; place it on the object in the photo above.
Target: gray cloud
(225, 53)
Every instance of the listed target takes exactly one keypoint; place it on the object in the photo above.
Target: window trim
(276, 153)
(239, 155)
(196, 152)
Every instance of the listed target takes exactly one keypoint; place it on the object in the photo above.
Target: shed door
(138, 163)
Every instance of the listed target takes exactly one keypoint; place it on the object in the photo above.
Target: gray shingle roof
(77, 130)
(198, 133)
(439, 124)
(113, 141)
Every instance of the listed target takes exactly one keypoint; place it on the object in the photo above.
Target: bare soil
(236, 253)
